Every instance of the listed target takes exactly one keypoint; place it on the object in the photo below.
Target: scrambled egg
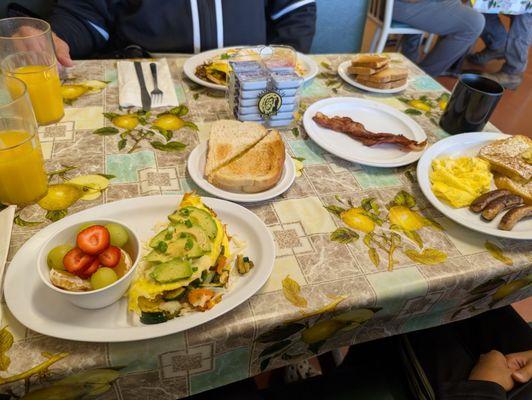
(459, 181)
(143, 286)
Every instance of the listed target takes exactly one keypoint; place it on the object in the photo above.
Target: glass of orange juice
(23, 179)
(27, 52)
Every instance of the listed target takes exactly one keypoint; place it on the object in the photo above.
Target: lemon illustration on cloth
(355, 218)
(420, 105)
(91, 185)
(72, 92)
(509, 288)
(321, 330)
(405, 218)
(127, 121)
(169, 122)
(60, 197)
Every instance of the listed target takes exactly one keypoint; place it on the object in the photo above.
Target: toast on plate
(381, 85)
(364, 70)
(387, 75)
(230, 138)
(508, 157)
(518, 188)
(370, 61)
(256, 170)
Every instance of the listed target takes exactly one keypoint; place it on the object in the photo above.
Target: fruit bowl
(96, 298)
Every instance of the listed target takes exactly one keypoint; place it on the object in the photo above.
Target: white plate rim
(436, 150)
(189, 67)
(342, 71)
(408, 158)
(286, 181)
(141, 332)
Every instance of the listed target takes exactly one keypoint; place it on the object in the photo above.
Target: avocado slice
(171, 271)
(197, 217)
(185, 245)
(164, 235)
(174, 232)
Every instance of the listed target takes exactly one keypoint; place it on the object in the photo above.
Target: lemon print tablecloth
(361, 254)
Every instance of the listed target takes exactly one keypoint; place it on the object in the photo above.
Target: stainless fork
(156, 93)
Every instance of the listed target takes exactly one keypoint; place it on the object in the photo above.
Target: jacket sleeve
(84, 25)
(473, 390)
(292, 22)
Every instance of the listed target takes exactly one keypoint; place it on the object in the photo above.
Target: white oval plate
(376, 117)
(193, 62)
(196, 166)
(466, 145)
(342, 71)
(44, 311)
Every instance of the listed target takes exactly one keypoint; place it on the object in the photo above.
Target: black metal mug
(471, 104)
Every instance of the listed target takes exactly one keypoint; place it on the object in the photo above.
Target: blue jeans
(458, 26)
(514, 43)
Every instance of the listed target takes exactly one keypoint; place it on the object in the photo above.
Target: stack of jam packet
(265, 91)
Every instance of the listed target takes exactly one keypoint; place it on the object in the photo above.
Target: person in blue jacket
(84, 28)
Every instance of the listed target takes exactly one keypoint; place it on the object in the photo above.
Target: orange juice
(22, 177)
(44, 89)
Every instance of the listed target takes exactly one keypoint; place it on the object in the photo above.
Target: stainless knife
(144, 95)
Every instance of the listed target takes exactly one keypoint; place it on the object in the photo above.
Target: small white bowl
(95, 298)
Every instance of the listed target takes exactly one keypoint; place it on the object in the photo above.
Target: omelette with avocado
(186, 267)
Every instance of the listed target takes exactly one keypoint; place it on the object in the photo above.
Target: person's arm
(292, 22)
(521, 365)
(489, 379)
(81, 25)
(473, 390)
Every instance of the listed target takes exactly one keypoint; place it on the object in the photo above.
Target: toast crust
(388, 75)
(364, 70)
(381, 85)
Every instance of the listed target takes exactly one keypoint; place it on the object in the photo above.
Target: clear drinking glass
(23, 179)
(27, 52)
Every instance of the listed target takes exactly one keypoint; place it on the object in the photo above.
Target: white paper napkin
(6, 223)
(129, 88)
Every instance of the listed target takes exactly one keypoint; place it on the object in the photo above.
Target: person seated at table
(84, 28)
(512, 46)
(485, 357)
(458, 26)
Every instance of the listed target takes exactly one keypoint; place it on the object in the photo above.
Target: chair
(339, 26)
(380, 12)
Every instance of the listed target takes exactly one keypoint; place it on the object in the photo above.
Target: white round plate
(342, 71)
(193, 62)
(46, 312)
(466, 145)
(376, 117)
(196, 166)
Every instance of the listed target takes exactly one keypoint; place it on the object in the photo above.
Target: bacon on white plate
(358, 132)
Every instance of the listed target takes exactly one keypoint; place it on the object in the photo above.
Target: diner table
(330, 287)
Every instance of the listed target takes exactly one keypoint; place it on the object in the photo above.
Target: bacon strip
(358, 132)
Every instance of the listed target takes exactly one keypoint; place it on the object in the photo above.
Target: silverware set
(148, 99)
